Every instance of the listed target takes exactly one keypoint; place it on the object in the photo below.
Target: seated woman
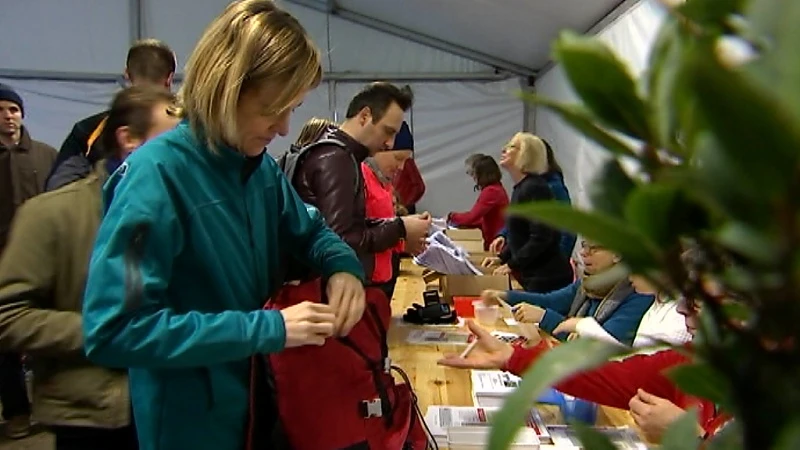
(532, 253)
(379, 170)
(637, 383)
(661, 324)
(555, 179)
(488, 212)
(603, 293)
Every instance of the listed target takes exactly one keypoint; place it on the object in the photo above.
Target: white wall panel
(360, 49)
(64, 36)
(53, 107)
(180, 23)
(631, 37)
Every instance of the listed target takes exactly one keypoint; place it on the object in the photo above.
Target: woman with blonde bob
(532, 253)
(195, 225)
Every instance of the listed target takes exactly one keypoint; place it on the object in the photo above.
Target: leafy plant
(717, 139)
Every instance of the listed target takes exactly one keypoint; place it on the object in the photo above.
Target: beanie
(404, 139)
(10, 95)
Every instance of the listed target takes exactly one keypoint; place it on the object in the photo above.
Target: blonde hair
(312, 131)
(251, 44)
(532, 155)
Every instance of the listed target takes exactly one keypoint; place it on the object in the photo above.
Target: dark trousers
(85, 438)
(13, 392)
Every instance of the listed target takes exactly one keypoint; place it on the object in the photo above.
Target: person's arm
(559, 300)
(313, 243)
(539, 234)
(614, 383)
(488, 199)
(624, 322)
(504, 232)
(332, 182)
(127, 319)
(28, 324)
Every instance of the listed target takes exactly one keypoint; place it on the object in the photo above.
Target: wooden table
(438, 385)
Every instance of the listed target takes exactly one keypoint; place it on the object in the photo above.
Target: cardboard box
(471, 285)
(470, 246)
(473, 234)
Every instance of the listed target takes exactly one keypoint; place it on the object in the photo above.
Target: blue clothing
(622, 324)
(560, 192)
(188, 252)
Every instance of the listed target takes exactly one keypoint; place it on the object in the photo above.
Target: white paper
(437, 337)
(623, 438)
(440, 418)
(444, 256)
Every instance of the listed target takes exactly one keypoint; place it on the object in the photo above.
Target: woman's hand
(502, 270)
(525, 312)
(497, 245)
(491, 297)
(307, 323)
(488, 353)
(567, 326)
(347, 299)
(491, 261)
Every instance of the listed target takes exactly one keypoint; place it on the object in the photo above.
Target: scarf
(611, 286)
(373, 165)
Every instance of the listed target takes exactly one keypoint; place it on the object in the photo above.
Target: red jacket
(488, 213)
(615, 383)
(409, 184)
(380, 205)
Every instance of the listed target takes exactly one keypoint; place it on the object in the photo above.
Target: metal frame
(330, 7)
(614, 15)
(336, 76)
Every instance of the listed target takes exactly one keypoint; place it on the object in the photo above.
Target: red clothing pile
(380, 205)
(615, 383)
(488, 213)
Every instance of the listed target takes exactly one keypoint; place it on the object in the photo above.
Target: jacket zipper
(134, 288)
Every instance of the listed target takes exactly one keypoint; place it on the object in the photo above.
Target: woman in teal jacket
(197, 224)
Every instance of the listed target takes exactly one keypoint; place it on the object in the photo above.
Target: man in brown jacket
(24, 164)
(330, 178)
(42, 278)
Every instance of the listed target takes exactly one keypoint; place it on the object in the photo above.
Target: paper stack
(623, 438)
(444, 256)
(466, 427)
(491, 387)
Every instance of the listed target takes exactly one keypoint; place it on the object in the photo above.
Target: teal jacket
(189, 249)
(622, 324)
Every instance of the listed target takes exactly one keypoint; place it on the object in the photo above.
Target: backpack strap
(95, 135)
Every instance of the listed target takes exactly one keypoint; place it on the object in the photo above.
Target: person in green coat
(197, 223)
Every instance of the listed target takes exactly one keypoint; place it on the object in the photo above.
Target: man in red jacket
(637, 383)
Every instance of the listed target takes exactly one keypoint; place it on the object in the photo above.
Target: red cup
(463, 305)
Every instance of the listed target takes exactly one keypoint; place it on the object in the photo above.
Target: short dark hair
(151, 61)
(552, 164)
(378, 97)
(486, 171)
(471, 159)
(133, 107)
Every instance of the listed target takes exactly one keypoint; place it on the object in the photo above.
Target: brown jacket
(42, 278)
(326, 178)
(23, 170)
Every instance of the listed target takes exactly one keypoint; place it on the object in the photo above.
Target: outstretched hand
(489, 352)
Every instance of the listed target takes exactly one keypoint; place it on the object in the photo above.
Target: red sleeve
(489, 198)
(614, 383)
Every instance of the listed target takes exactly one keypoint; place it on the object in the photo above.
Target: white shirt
(661, 324)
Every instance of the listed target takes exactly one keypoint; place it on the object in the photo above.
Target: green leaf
(789, 438)
(577, 117)
(755, 130)
(778, 68)
(604, 84)
(682, 433)
(592, 439)
(662, 83)
(729, 437)
(702, 380)
(637, 250)
(609, 190)
(749, 242)
(707, 12)
(555, 365)
(664, 213)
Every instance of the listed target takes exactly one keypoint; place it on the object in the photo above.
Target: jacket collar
(360, 152)
(227, 156)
